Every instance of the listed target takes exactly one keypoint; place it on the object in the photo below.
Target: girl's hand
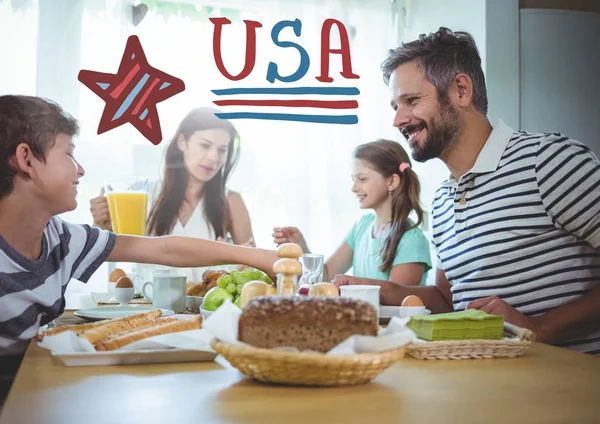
(289, 235)
(100, 212)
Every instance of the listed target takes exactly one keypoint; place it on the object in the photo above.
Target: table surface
(546, 385)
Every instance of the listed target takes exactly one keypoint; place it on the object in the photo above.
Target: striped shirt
(31, 292)
(523, 224)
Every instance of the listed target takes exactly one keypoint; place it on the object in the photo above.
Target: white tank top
(196, 227)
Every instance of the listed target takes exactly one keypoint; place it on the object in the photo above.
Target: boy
(40, 253)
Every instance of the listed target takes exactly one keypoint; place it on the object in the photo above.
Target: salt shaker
(288, 269)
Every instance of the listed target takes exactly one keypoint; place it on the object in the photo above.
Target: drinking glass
(127, 203)
(312, 268)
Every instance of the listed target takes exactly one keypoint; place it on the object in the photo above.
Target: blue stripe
(559, 166)
(131, 96)
(495, 190)
(445, 193)
(519, 148)
(578, 183)
(537, 266)
(499, 176)
(589, 233)
(530, 216)
(164, 85)
(506, 196)
(339, 91)
(103, 85)
(580, 197)
(319, 119)
(542, 149)
(500, 252)
(502, 208)
(536, 300)
(441, 205)
(445, 221)
(143, 115)
(494, 231)
(450, 207)
(528, 155)
(519, 258)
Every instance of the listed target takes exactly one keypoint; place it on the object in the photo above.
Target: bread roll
(162, 326)
(77, 328)
(96, 334)
(81, 328)
(306, 323)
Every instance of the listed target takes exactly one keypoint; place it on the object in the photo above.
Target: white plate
(396, 311)
(109, 312)
(117, 357)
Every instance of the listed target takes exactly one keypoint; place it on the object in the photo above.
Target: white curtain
(289, 173)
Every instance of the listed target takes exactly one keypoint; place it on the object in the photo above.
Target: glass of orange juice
(128, 204)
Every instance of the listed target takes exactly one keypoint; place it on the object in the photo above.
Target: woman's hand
(289, 235)
(100, 212)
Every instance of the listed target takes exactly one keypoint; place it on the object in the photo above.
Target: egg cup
(124, 295)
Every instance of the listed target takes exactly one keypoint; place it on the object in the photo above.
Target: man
(516, 227)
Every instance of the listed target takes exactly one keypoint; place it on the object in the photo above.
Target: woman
(192, 199)
(385, 245)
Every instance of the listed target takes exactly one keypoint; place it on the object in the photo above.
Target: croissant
(210, 276)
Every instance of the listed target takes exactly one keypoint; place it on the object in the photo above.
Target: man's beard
(442, 134)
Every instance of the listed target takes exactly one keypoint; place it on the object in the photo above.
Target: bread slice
(131, 322)
(161, 326)
(81, 328)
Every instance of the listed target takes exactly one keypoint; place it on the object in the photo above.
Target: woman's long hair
(385, 157)
(163, 215)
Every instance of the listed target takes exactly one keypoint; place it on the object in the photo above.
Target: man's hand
(495, 306)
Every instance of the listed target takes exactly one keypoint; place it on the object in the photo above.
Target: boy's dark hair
(442, 55)
(31, 120)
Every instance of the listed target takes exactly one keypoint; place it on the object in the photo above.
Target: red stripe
(323, 104)
(144, 97)
(119, 89)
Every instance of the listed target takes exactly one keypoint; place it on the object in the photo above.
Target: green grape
(240, 279)
(223, 281)
(239, 289)
(231, 288)
(238, 302)
(267, 279)
(248, 274)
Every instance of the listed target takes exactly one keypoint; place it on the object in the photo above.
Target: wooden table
(547, 385)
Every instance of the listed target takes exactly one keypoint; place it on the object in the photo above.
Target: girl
(193, 200)
(386, 245)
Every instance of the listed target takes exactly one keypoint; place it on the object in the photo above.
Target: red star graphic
(131, 95)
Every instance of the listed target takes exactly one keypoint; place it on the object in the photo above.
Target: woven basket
(515, 342)
(304, 368)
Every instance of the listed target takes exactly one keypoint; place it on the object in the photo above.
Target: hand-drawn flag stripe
(321, 104)
(327, 91)
(321, 119)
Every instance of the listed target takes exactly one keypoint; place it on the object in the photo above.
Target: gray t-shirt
(32, 292)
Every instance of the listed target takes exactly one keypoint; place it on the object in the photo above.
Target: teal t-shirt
(366, 260)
